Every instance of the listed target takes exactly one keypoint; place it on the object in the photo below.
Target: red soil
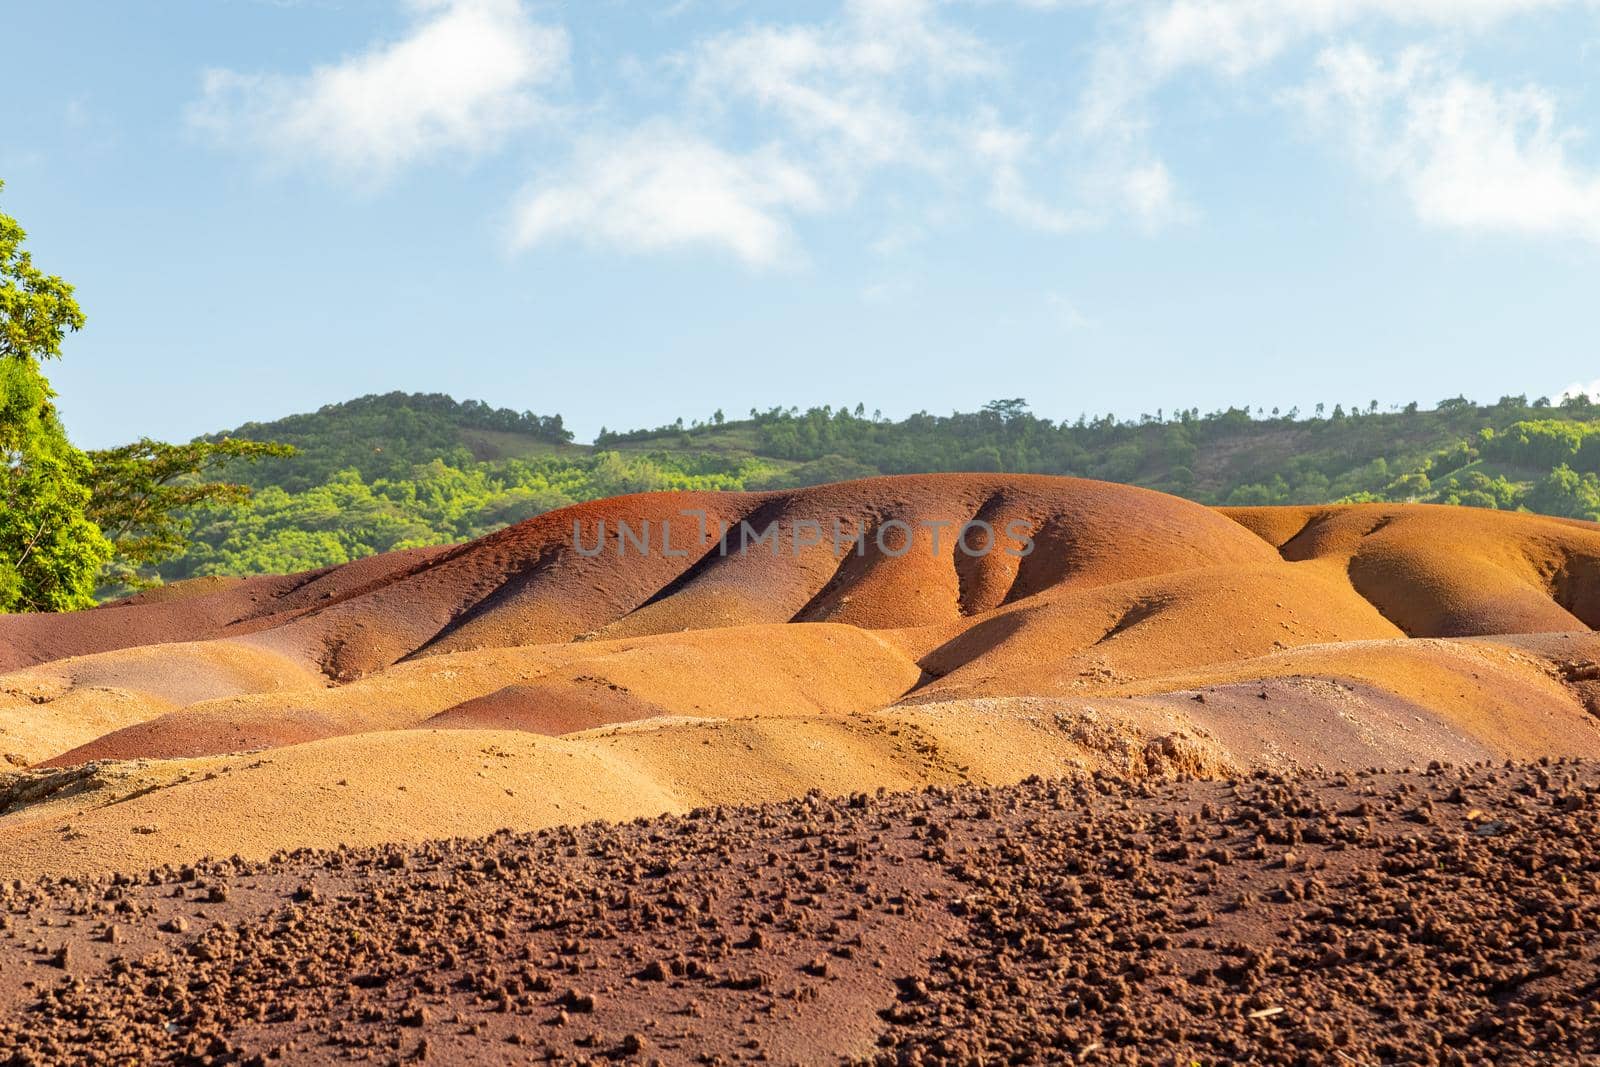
(1449, 918)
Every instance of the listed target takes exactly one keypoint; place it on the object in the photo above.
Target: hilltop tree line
(1513, 453)
(383, 436)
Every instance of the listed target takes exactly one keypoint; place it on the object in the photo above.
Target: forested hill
(385, 436)
(393, 471)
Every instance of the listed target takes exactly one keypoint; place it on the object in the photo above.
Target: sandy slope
(518, 681)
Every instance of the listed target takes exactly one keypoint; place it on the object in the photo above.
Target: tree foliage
(385, 436)
(50, 551)
(144, 496)
(277, 531)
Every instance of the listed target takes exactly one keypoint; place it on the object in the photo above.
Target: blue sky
(628, 211)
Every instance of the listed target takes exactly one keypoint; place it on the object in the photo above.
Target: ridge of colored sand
(1097, 626)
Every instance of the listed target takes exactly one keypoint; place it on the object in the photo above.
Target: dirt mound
(654, 563)
(546, 709)
(650, 653)
(1438, 571)
(58, 706)
(1066, 639)
(196, 611)
(410, 785)
(1451, 917)
(775, 671)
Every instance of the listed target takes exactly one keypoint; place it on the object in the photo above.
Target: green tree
(1007, 410)
(144, 494)
(1410, 486)
(50, 550)
(1566, 492)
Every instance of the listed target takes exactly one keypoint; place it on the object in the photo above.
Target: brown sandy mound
(1519, 699)
(772, 670)
(60, 705)
(1448, 918)
(547, 709)
(412, 785)
(1439, 571)
(1067, 639)
(530, 584)
(186, 612)
(1141, 633)
(197, 611)
(395, 785)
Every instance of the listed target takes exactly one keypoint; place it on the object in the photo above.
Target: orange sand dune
(1440, 571)
(744, 671)
(530, 584)
(658, 651)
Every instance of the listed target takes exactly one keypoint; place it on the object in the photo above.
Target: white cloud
(1151, 194)
(1592, 391)
(890, 85)
(1238, 35)
(839, 103)
(851, 83)
(1096, 181)
(463, 77)
(661, 188)
(1154, 42)
(1468, 154)
(1002, 149)
(901, 108)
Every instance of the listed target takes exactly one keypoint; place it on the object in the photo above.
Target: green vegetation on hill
(385, 436)
(348, 516)
(397, 471)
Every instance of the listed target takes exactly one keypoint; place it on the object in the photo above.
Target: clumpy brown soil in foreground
(1451, 916)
